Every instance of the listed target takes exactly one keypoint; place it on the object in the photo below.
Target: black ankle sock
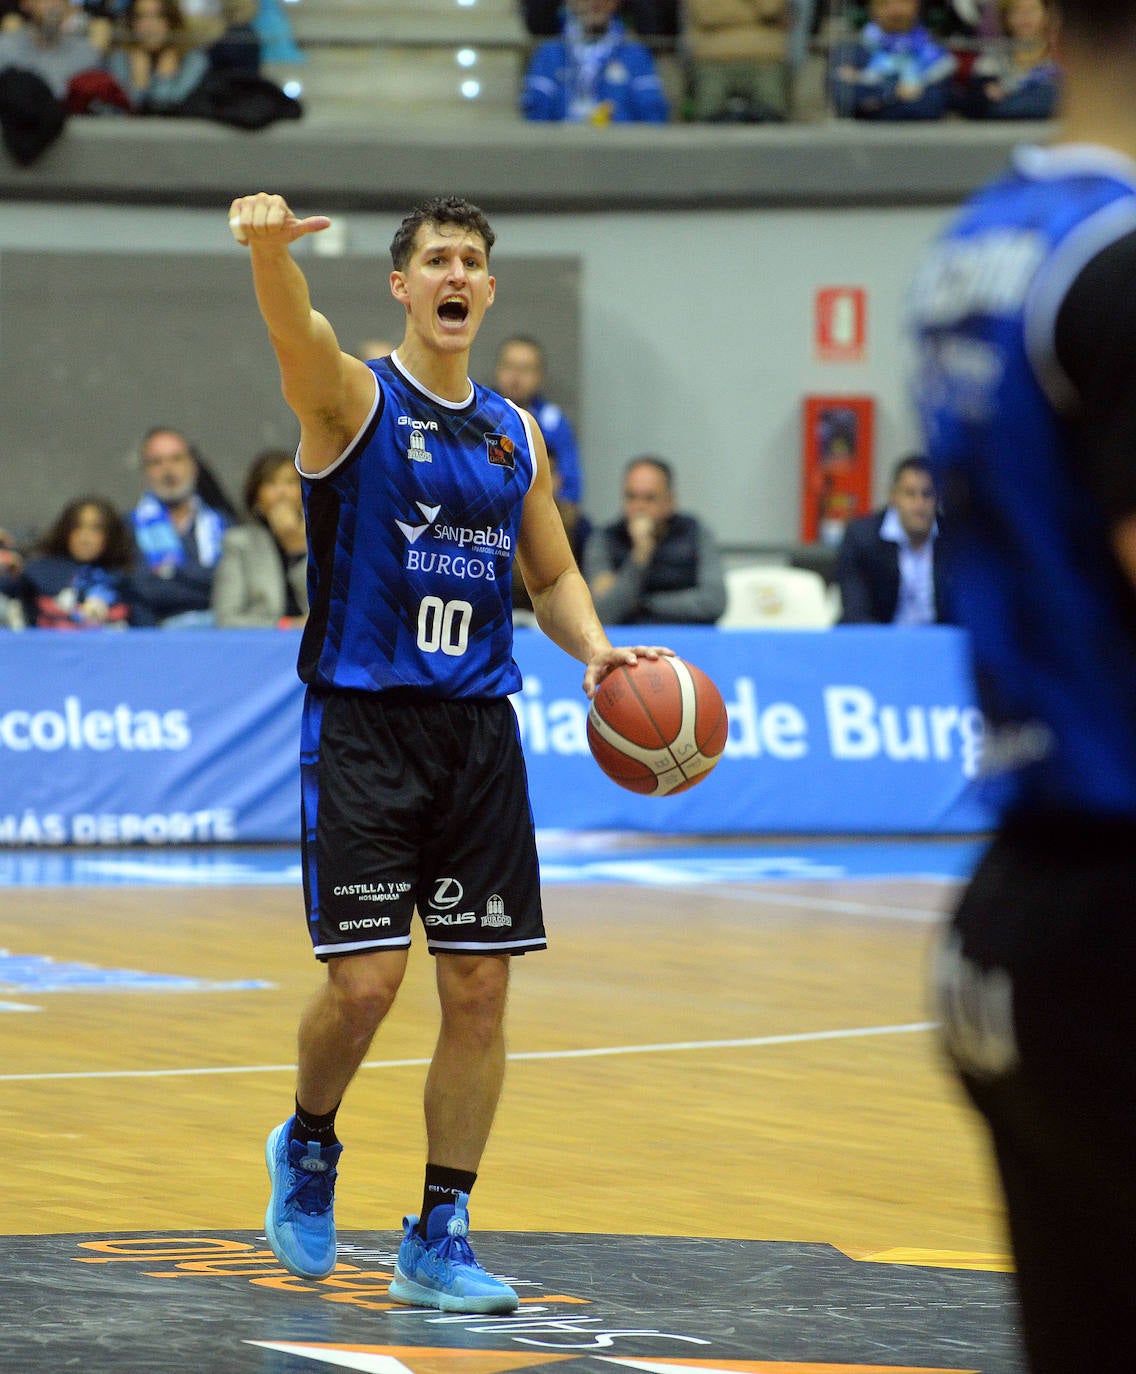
(307, 1126)
(442, 1187)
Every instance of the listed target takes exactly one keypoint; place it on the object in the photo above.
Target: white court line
(672, 1047)
(759, 896)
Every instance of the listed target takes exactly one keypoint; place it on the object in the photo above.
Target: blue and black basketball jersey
(411, 538)
(1010, 429)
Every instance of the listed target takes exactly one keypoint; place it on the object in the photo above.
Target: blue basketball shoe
(442, 1271)
(300, 1222)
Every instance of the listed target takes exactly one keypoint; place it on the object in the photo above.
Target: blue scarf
(158, 539)
(589, 57)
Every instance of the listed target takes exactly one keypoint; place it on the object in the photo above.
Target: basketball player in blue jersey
(1025, 319)
(419, 488)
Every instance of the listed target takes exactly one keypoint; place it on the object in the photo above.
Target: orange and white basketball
(657, 726)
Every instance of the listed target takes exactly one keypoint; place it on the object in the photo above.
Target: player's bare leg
(467, 1071)
(340, 1022)
(336, 1031)
(436, 1264)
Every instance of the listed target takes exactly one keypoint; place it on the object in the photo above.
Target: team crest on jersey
(417, 451)
(502, 451)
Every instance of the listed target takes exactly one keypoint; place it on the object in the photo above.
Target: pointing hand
(264, 218)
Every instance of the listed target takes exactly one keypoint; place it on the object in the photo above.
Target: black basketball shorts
(414, 802)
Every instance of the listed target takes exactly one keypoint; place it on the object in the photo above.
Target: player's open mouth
(453, 310)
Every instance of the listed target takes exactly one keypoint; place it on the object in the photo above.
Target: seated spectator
(896, 71)
(154, 66)
(738, 59)
(1015, 76)
(78, 577)
(886, 568)
(50, 44)
(11, 559)
(654, 565)
(40, 58)
(179, 537)
(519, 377)
(11, 565)
(593, 73)
(238, 46)
(261, 579)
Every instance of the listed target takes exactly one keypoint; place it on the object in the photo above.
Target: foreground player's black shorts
(416, 802)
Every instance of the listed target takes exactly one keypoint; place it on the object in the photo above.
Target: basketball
(657, 726)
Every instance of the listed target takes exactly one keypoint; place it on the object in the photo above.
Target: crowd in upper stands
(894, 60)
(200, 58)
(591, 61)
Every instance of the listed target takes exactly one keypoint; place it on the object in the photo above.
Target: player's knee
(364, 991)
(474, 992)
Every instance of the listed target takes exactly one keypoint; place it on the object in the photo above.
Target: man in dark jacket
(654, 565)
(887, 570)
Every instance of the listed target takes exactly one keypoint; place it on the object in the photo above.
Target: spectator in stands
(154, 66)
(738, 53)
(896, 71)
(238, 47)
(11, 559)
(49, 44)
(42, 54)
(1015, 76)
(887, 569)
(593, 73)
(179, 537)
(11, 565)
(261, 579)
(654, 565)
(79, 574)
(519, 377)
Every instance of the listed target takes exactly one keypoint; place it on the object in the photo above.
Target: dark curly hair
(118, 553)
(260, 470)
(440, 210)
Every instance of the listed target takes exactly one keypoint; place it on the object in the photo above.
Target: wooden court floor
(745, 1061)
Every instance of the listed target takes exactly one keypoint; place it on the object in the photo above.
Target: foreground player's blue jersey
(1048, 612)
(411, 538)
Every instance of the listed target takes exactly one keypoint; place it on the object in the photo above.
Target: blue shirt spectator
(896, 71)
(593, 73)
(519, 377)
(179, 537)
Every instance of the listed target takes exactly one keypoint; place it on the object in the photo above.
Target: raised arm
(330, 391)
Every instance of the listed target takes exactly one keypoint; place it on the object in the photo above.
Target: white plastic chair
(771, 597)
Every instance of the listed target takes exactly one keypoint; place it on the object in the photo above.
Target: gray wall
(99, 344)
(687, 333)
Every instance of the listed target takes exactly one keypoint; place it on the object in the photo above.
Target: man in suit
(887, 569)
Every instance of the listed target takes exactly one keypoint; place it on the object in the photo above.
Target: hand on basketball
(267, 219)
(602, 663)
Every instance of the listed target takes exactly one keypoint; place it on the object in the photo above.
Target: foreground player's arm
(329, 391)
(1095, 344)
(560, 596)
